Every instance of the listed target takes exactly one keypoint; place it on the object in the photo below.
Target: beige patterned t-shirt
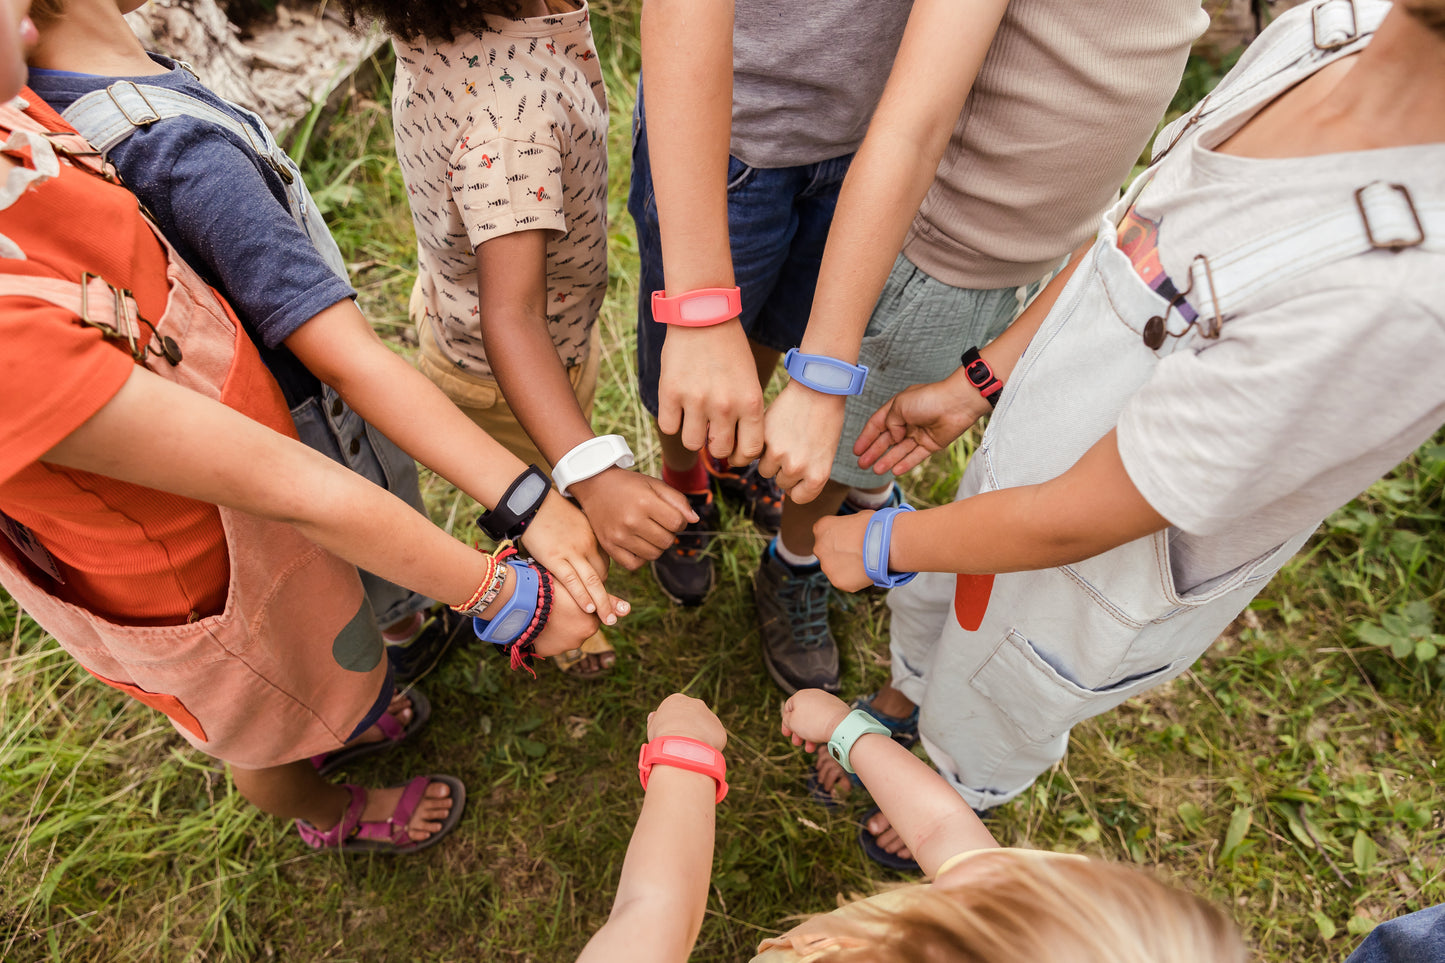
(500, 131)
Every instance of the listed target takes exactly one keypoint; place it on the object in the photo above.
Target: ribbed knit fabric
(1068, 97)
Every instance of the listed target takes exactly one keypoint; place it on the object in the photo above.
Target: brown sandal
(573, 661)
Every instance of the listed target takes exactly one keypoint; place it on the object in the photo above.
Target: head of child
(437, 20)
(1021, 906)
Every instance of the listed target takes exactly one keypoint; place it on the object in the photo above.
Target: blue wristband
(877, 540)
(516, 614)
(825, 374)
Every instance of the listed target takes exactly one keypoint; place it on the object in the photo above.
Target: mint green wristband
(854, 726)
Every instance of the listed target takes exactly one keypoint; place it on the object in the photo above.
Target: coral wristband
(681, 752)
(697, 309)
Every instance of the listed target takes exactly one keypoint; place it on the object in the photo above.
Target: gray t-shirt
(1322, 383)
(806, 77)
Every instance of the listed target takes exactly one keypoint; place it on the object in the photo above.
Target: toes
(878, 825)
(438, 790)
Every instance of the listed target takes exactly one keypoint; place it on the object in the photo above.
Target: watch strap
(591, 458)
(877, 544)
(854, 726)
(517, 506)
(516, 613)
(822, 373)
(699, 308)
(683, 752)
(981, 376)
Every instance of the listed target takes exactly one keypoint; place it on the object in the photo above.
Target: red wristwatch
(697, 309)
(981, 376)
(683, 753)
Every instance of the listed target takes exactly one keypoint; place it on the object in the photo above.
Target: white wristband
(592, 457)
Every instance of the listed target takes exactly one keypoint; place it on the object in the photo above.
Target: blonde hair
(1018, 908)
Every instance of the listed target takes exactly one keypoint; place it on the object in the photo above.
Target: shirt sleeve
(1321, 393)
(54, 375)
(502, 186)
(210, 198)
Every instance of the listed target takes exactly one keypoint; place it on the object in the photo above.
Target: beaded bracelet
(491, 584)
(524, 649)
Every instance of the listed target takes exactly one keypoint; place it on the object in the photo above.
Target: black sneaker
(684, 571)
(440, 630)
(798, 647)
(761, 496)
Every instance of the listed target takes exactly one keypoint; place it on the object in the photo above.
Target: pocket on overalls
(1044, 703)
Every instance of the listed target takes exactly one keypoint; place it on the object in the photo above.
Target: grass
(1291, 774)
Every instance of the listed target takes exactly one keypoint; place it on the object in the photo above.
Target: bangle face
(981, 376)
(877, 542)
(516, 614)
(697, 309)
(592, 458)
(854, 726)
(822, 373)
(517, 506)
(683, 753)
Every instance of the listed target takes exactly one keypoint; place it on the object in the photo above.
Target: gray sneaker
(798, 648)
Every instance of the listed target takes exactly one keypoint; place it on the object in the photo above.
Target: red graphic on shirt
(487, 160)
(542, 194)
(970, 600)
(1139, 240)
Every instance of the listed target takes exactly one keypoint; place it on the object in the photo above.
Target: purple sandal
(351, 835)
(328, 762)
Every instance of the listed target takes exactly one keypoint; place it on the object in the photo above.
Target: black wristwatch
(518, 506)
(981, 376)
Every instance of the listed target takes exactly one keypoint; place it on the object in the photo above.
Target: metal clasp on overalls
(134, 122)
(1156, 329)
(1379, 193)
(126, 328)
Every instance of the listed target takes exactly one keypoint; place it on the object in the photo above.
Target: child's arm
(663, 891)
(925, 419)
(932, 819)
(1089, 509)
(941, 52)
(708, 390)
(339, 347)
(634, 516)
(163, 436)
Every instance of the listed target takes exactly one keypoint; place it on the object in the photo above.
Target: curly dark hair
(438, 19)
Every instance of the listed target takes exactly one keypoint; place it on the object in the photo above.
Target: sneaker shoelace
(694, 536)
(805, 598)
(756, 488)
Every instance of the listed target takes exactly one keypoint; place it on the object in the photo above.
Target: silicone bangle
(877, 542)
(516, 613)
(591, 458)
(701, 308)
(825, 374)
(855, 725)
(514, 512)
(683, 752)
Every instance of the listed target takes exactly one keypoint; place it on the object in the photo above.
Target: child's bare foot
(430, 813)
(886, 837)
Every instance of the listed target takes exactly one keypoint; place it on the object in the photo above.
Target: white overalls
(324, 422)
(1003, 666)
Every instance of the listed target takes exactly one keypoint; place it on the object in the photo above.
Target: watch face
(978, 373)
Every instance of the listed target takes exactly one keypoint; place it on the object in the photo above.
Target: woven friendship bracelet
(524, 649)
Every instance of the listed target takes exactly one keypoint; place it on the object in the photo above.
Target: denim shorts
(778, 219)
(329, 425)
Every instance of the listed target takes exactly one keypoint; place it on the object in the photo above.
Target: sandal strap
(393, 730)
(394, 829)
(350, 820)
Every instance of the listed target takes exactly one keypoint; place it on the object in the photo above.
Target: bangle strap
(877, 543)
(591, 458)
(981, 376)
(700, 308)
(683, 752)
(855, 725)
(516, 614)
(825, 374)
(514, 512)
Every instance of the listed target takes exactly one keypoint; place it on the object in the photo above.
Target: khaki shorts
(481, 398)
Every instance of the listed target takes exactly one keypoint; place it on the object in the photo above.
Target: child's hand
(635, 516)
(838, 543)
(811, 715)
(802, 427)
(681, 715)
(917, 422)
(568, 626)
(560, 538)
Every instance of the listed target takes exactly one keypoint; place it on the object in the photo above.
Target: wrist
(590, 489)
(504, 594)
(687, 753)
(966, 396)
(694, 733)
